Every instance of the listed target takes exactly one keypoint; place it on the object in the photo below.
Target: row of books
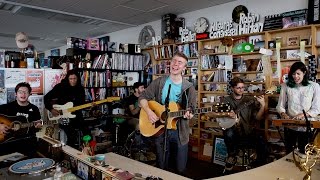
(216, 61)
(219, 75)
(190, 50)
(96, 79)
(163, 52)
(122, 61)
(95, 94)
(162, 68)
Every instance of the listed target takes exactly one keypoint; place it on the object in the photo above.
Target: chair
(246, 154)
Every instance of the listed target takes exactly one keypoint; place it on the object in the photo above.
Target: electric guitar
(148, 128)
(66, 109)
(18, 125)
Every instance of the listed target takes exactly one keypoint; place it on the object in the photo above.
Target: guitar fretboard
(196, 111)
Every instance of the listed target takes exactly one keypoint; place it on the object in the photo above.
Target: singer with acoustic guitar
(182, 92)
(23, 111)
(296, 95)
(68, 90)
(246, 110)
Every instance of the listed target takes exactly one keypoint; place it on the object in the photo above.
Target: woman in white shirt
(296, 95)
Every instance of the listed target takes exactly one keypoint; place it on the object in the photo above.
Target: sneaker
(230, 162)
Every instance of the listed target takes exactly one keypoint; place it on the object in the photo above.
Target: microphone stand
(167, 110)
(308, 130)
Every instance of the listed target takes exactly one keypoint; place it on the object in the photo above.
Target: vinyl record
(236, 13)
(247, 47)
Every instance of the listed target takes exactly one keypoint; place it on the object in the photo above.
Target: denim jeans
(234, 139)
(175, 151)
(294, 138)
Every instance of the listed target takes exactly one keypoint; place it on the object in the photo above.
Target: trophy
(312, 151)
(312, 156)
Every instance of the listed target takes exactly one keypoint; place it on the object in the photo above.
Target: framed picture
(219, 151)
(55, 52)
(293, 41)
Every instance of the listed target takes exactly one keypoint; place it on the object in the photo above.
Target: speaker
(168, 26)
(313, 12)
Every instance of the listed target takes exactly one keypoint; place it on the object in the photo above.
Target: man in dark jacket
(182, 92)
(69, 90)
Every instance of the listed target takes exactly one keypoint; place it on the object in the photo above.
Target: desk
(281, 169)
(123, 163)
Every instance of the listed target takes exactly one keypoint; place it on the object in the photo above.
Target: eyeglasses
(22, 92)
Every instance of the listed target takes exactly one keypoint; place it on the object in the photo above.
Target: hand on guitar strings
(38, 124)
(260, 99)
(232, 114)
(55, 112)
(188, 115)
(152, 116)
(3, 129)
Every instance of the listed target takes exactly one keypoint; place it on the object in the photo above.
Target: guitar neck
(109, 99)
(196, 111)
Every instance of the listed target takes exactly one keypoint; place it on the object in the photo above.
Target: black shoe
(230, 162)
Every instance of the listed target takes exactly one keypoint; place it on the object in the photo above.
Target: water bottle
(58, 174)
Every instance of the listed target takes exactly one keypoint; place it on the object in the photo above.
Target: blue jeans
(234, 139)
(175, 151)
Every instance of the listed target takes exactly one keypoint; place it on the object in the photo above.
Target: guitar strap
(184, 100)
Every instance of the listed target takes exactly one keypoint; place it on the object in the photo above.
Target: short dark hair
(235, 81)
(180, 54)
(136, 85)
(295, 66)
(23, 84)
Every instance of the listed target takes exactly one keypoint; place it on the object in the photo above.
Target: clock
(201, 25)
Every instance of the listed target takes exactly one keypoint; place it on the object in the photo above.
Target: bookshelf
(210, 49)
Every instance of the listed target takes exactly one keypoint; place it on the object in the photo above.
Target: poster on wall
(55, 52)
(38, 101)
(35, 79)
(219, 153)
(11, 95)
(2, 78)
(3, 96)
(53, 77)
(14, 76)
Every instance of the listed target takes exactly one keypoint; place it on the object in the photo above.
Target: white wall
(217, 13)
(213, 14)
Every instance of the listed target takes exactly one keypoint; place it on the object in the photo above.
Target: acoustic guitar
(18, 125)
(148, 129)
(66, 109)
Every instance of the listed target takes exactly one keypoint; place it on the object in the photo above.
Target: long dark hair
(69, 73)
(295, 66)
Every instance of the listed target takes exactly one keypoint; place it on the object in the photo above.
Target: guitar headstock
(221, 108)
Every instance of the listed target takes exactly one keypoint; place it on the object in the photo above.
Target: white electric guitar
(66, 109)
